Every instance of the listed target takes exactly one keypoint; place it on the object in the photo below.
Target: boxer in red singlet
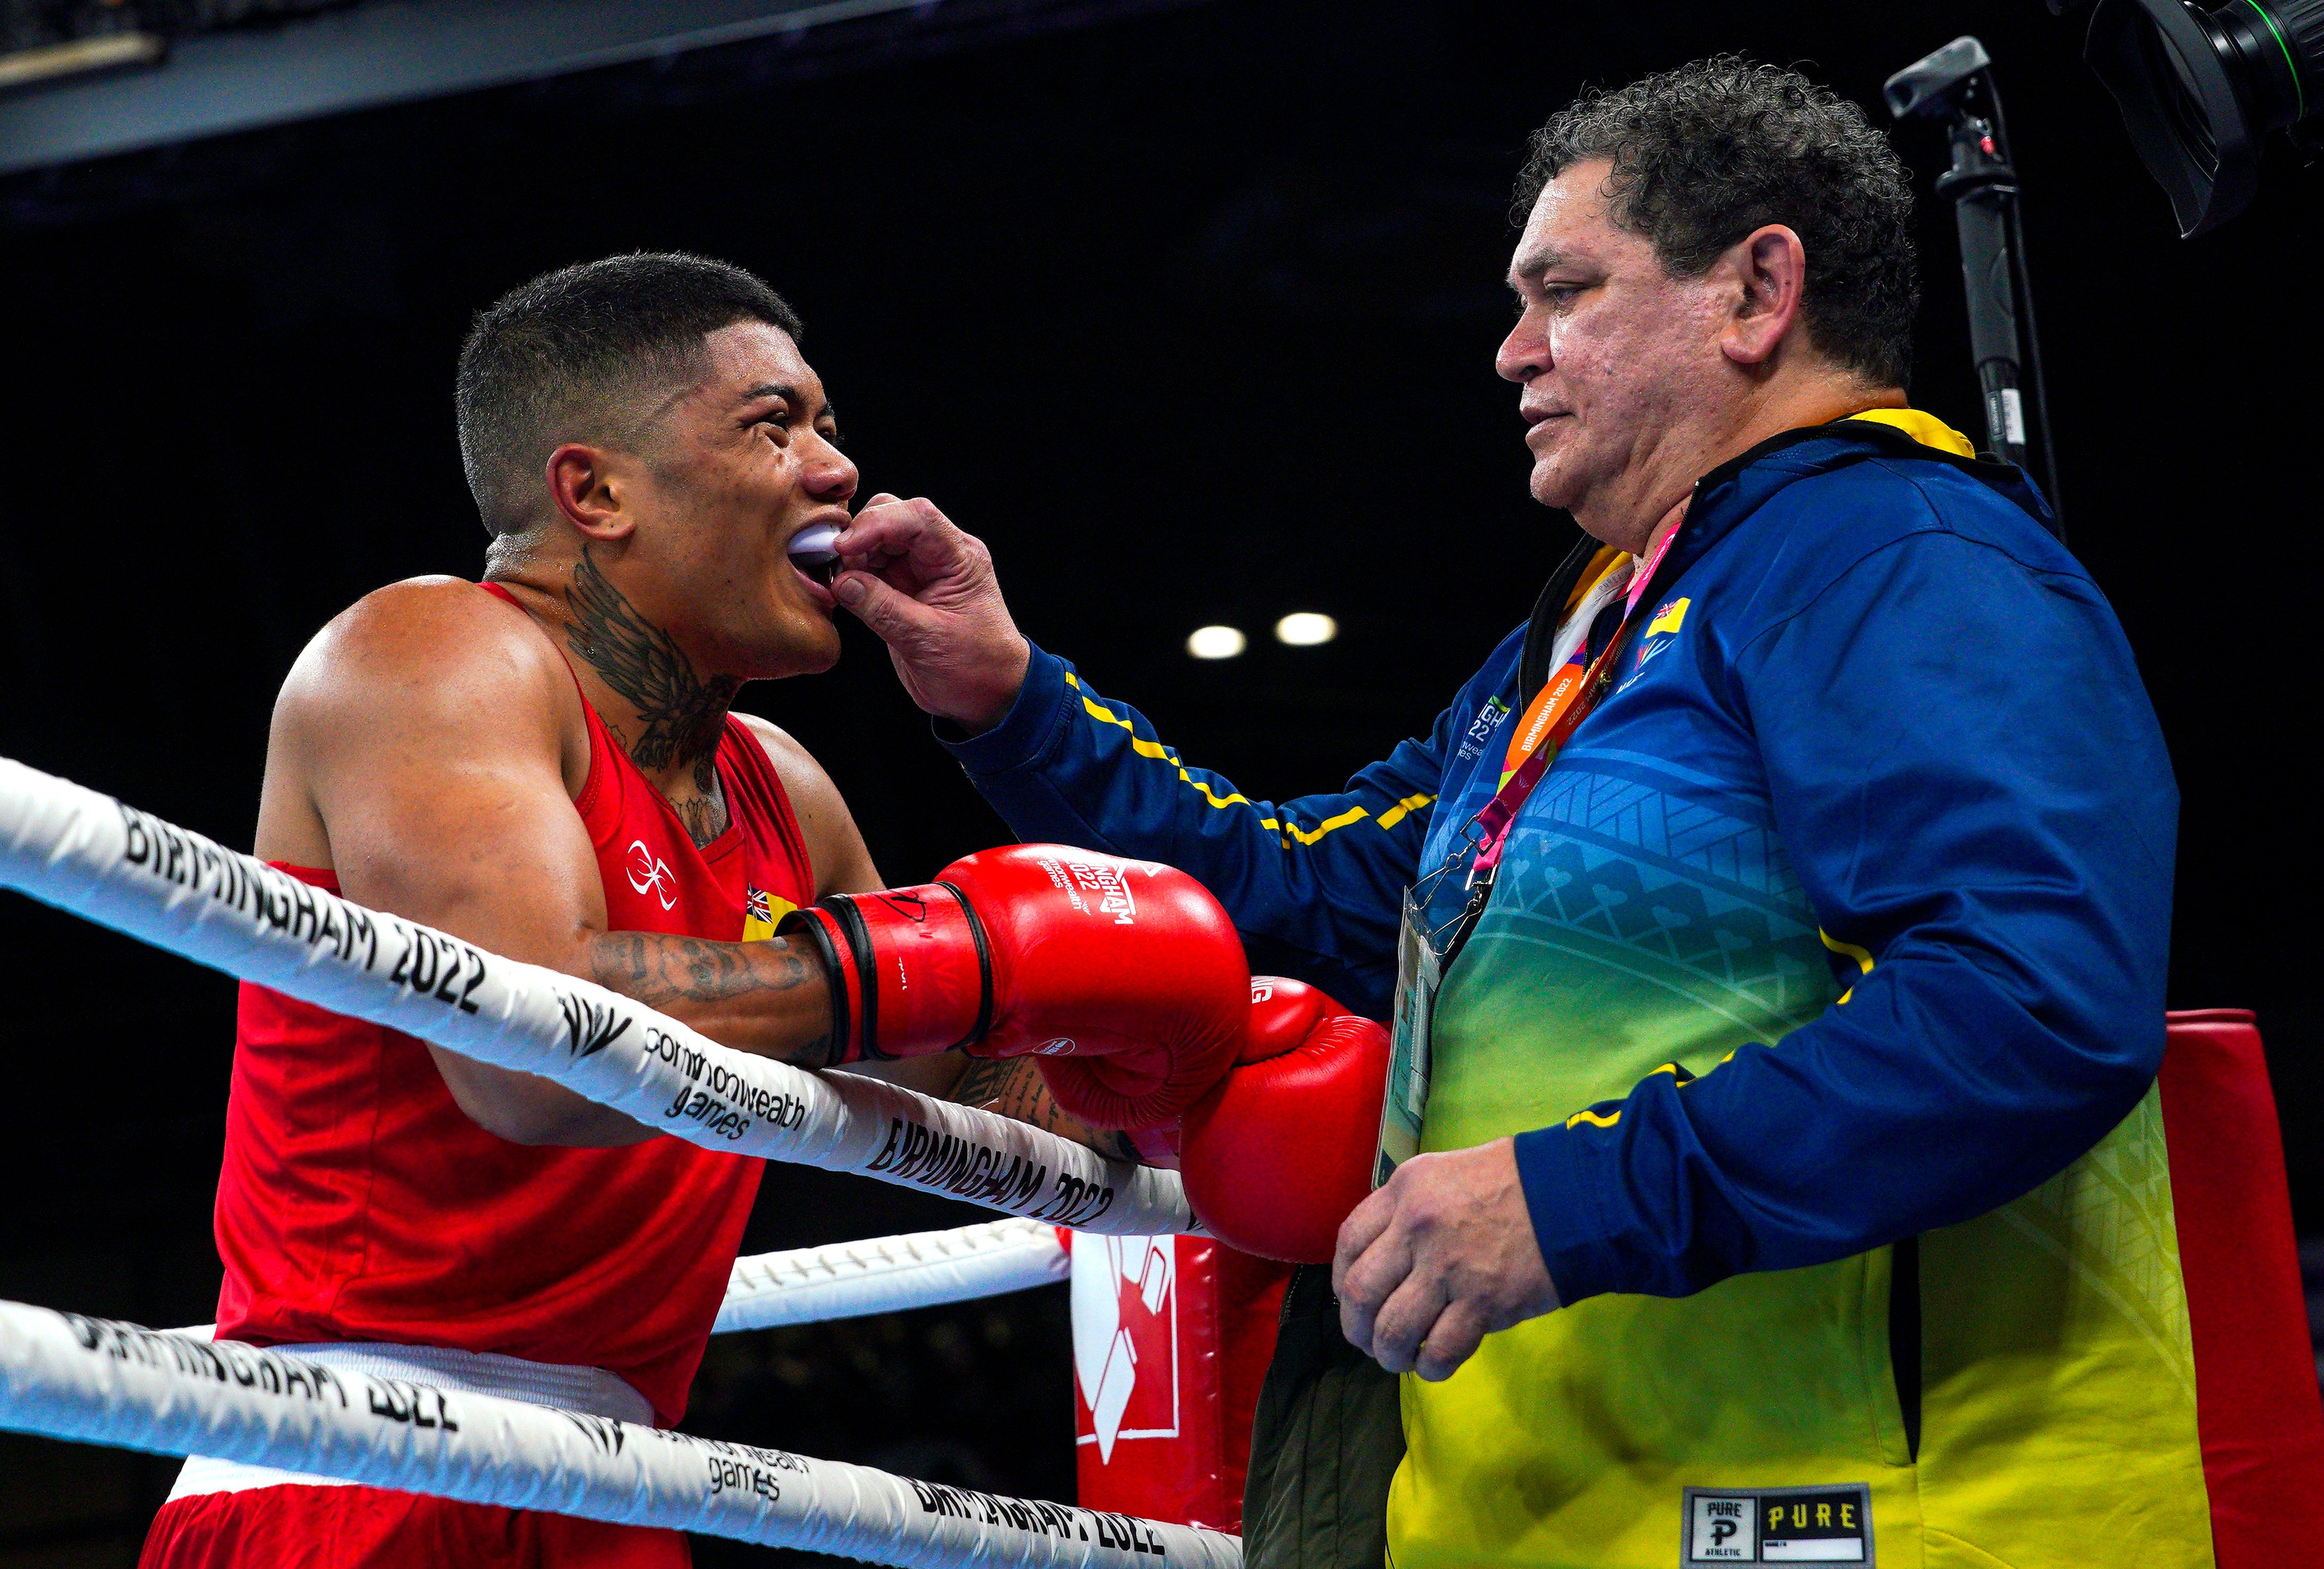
(544, 764)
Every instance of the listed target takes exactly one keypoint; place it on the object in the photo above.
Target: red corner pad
(2257, 1406)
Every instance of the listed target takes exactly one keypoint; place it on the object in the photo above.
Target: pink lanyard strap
(1550, 719)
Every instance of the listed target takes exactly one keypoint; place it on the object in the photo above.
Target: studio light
(1216, 642)
(1304, 628)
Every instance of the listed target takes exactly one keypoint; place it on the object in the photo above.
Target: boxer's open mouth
(811, 552)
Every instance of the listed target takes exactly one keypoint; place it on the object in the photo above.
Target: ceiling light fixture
(1216, 642)
(1304, 628)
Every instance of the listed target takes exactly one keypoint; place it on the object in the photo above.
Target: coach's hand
(1438, 1259)
(929, 592)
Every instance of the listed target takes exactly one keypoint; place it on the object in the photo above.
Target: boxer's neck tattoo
(680, 715)
(704, 816)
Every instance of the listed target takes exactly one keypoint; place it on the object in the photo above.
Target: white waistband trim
(593, 1390)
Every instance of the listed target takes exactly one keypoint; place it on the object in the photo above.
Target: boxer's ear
(590, 488)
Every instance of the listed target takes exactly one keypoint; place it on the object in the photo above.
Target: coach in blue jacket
(1824, 834)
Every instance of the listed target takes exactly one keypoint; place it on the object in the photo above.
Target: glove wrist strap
(820, 931)
(910, 967)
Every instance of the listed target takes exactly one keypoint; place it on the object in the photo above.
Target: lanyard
(1553, 716)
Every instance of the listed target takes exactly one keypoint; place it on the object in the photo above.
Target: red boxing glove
(1126, 976)
(1283, 1015)
(1281, 1151)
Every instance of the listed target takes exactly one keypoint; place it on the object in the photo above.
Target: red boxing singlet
(359, 1203)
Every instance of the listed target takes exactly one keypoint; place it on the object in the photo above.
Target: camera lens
(2278, 48)
(2175, 93)
(2200, 89)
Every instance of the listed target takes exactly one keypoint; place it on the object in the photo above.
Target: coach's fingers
(1451, 1340)
(1365, 1284)
(889, 530)
(898, 619)
(1359, 1231)
(885, 511)
(882, 519)
(1407, 1318)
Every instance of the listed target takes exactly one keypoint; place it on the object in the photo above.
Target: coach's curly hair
(1706, 154)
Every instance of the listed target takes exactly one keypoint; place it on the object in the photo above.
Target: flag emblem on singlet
(761, 912)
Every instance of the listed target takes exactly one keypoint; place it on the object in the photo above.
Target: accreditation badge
(1417, 978)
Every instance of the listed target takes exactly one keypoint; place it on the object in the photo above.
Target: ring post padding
(65, 1376)
(121, 868)
(889, 1274)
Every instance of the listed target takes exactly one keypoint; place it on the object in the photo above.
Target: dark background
(1190, 313)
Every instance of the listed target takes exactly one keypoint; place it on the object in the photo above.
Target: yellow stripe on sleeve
(1216, 800)
(1609, 1118)
(1160, 754)
(1352, 814)
(1863, 957)
(1396, 814)
(1100, 712)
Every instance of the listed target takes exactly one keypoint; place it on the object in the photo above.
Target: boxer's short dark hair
(1706, 154)
(578, 354)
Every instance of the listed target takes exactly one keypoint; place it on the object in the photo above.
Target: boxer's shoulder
(782, 748)
(433, 652)
(442, 627)
(795, 765)
(834, 847)
(437, 622)
(803, 780)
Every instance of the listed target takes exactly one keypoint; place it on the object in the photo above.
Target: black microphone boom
(1956, 83)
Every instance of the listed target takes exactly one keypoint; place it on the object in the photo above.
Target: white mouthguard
(818, 543)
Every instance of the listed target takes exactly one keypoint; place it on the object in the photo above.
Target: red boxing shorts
(301, 1527)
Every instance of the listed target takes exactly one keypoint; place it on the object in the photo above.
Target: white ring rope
(117, 866)
(69, 1377)
(889, 1274)
(884, 1274)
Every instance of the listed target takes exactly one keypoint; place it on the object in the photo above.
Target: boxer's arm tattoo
(680, 715)
(1013, 1088)
(665, 971)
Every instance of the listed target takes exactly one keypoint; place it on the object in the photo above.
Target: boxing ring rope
(70, 1377)
(884, 1274)
(111, 863)
(889, 1274)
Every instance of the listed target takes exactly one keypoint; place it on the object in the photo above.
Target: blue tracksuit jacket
(1931, 717)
